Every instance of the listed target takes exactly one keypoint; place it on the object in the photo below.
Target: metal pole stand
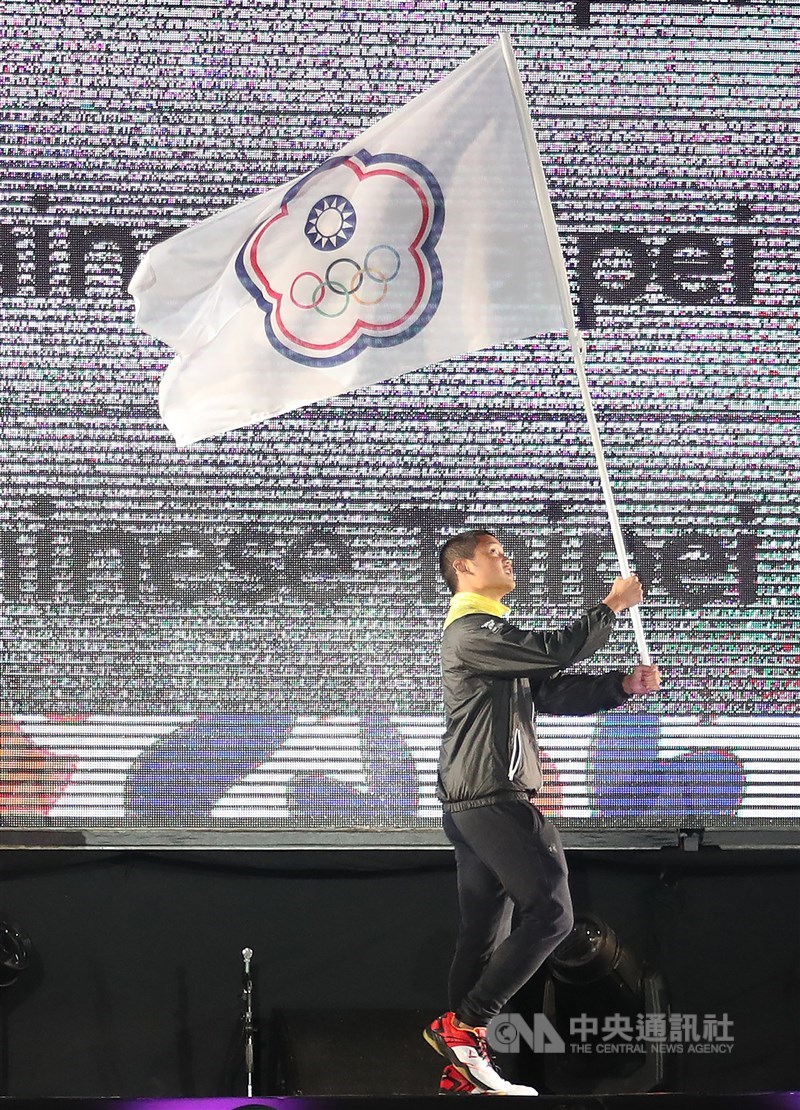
(248, 1024)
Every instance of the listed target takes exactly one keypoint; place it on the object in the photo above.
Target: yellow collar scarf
(463, 603)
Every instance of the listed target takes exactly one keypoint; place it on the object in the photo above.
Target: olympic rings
(359, 273)
(383, 291)
(328, 284)
(383, 247)
(314, 301)
(341, 292)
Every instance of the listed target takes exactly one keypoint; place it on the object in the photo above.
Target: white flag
(421, 240)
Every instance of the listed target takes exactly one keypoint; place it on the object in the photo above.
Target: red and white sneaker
(468, 1053)
(454, 1083)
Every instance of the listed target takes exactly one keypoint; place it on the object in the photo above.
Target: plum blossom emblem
(348, 260)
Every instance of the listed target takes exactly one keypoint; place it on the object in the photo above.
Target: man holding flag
(495, 678)
(428, 236)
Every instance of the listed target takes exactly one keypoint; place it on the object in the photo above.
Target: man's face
(488, 572)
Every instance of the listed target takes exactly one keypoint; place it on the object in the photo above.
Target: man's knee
(563, 924)
(553, 917)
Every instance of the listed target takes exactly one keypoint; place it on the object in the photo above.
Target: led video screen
(244, 633)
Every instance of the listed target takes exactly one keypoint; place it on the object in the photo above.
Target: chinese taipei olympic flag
(421, 240)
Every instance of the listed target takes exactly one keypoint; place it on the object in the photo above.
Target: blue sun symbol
(331, 223)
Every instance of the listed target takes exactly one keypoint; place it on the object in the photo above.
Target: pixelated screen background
(245, 632)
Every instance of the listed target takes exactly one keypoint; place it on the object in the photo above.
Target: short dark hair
(461, 546)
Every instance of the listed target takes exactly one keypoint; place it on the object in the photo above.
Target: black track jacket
(495, 678)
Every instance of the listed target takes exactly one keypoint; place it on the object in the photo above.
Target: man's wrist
(611, 604)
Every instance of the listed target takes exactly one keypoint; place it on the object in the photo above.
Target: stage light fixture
(592, 978)
(15, 953)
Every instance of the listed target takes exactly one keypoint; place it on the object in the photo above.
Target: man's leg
(505, 849)
(484, 916)
(483, 907)
(523, 851)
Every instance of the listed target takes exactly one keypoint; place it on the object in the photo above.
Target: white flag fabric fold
(421, 240)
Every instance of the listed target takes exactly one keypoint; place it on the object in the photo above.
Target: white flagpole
(577, 341)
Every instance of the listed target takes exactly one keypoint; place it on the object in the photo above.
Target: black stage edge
(49, 833)
(774, 1100)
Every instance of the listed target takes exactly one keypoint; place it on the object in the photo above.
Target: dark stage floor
(768, 1100)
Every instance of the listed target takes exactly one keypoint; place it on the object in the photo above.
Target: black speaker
(352, 1052)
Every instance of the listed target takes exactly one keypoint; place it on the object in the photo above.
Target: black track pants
(504, 851)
